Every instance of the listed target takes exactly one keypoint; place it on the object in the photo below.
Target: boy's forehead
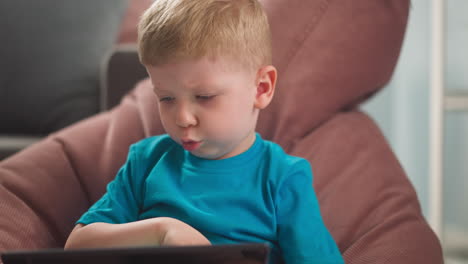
(198, 76)
(197, 83)
(221, 62)
(205, 67)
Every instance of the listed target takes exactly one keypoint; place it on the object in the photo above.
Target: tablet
(256, 253)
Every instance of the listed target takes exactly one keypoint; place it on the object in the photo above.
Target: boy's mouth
(190, 145)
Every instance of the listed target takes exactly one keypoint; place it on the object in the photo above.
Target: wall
(402, 111)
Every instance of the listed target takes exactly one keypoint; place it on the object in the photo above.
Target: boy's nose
(185, 117)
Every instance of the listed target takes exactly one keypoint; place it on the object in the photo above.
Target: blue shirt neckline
(232, 163)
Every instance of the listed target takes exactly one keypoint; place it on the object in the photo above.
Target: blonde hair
(172, 30)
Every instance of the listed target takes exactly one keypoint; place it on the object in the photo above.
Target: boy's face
(207, 105)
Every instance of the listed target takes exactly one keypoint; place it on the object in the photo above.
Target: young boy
(212, 179)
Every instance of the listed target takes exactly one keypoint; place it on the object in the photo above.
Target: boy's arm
(114, 235)
(155, 231)
(302, 235)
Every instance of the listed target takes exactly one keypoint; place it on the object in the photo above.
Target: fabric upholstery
(51, 53)
(331, 55)
(127, 33)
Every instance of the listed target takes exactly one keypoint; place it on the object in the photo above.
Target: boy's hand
(177, 233)
(153, 231)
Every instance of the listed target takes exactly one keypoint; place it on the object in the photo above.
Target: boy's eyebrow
(208, 88)
(158, 89)
(196, 89)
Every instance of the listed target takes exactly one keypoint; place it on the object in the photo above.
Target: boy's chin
(208, 155)
(205, 155)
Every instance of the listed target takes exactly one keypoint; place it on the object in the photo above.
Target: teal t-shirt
(261, 196)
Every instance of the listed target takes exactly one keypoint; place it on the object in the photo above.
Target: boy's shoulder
(285, 170)
(283, 165)
(277, 154)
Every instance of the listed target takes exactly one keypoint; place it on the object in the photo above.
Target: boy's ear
(266, 82)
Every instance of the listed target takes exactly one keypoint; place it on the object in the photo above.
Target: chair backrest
(331, 55)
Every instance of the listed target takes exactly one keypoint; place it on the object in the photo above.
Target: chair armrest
(12, 144)
(120, 71)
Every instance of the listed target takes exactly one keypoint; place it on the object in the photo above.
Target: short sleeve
(302, 235)
(121, 202)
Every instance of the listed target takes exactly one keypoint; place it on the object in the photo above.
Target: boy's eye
(205, 97)
(166, 99)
